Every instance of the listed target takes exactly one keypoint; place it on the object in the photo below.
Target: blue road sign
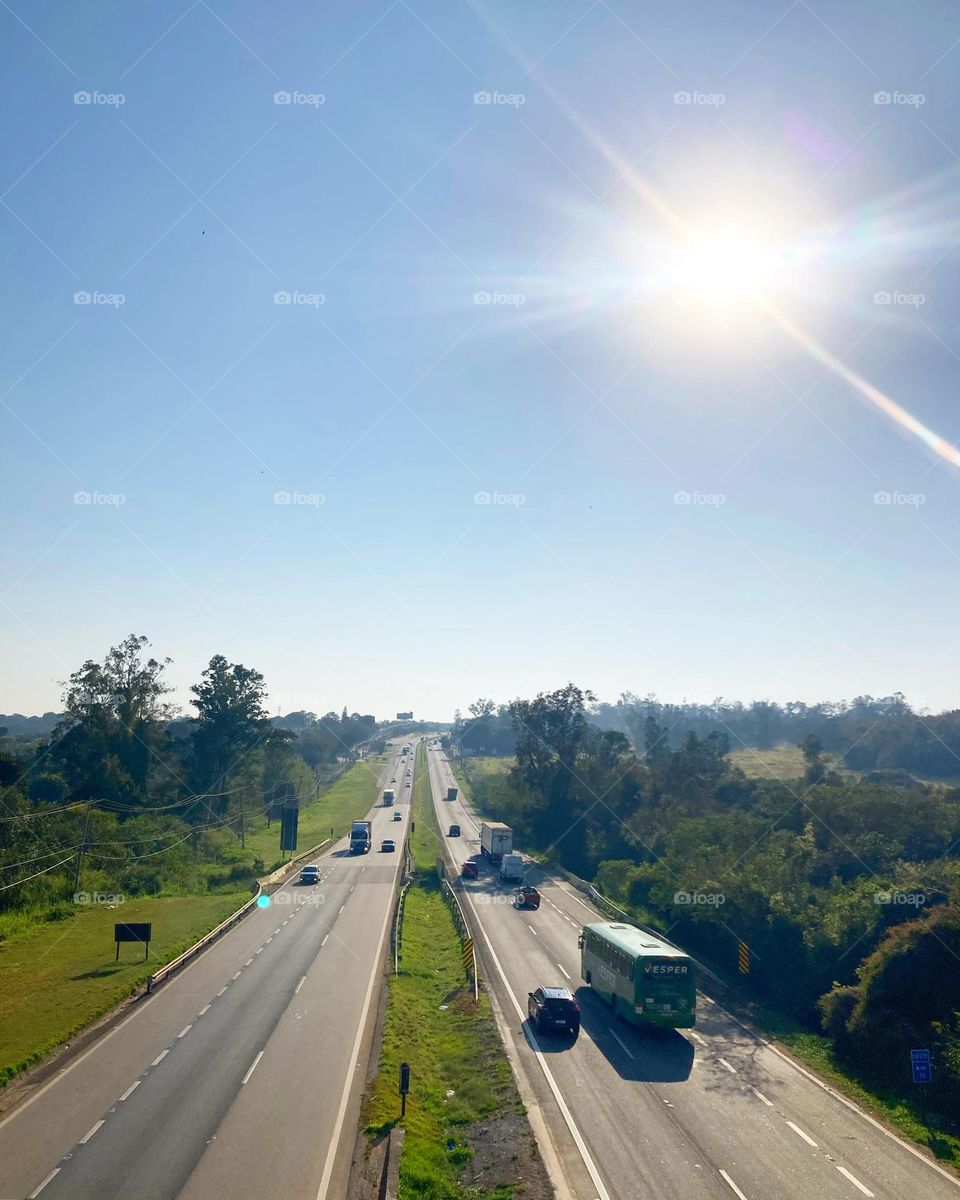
(920, 1062)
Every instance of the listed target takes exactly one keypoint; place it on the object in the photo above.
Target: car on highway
(453, 831)
(387, 846)
(526, 897)
(470, 869)
(310, 873)
(553, 1010)
(397, 814)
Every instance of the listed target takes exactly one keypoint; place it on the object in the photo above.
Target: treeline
(149, 800)
(844, 890)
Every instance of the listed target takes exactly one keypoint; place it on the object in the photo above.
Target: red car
(470, 870)
(526, 897)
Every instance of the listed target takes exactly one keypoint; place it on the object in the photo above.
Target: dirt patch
(505, 1155)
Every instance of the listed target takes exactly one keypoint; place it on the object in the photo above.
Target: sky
(411, 352)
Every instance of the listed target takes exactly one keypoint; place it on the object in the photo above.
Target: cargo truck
(511, 868)
(360, 833)
(452, 793)
(389, 797)
(496, 840)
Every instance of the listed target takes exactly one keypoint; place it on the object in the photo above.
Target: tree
(231, 721)
(111, 737)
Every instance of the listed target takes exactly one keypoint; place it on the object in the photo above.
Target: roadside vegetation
(845, 889)
(466, 1135)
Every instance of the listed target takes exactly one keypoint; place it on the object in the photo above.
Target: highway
(239, 1077)
(713, 1112)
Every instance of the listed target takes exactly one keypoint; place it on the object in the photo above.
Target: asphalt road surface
(713, 1112)
(239, 1077)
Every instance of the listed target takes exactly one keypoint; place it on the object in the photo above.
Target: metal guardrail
(466, 933)
(398, 928)
(168, 970)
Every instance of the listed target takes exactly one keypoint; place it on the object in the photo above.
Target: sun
(722, 267)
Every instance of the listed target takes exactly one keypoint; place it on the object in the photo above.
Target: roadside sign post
(404, 1087)
(133, 931)
(922, 1073)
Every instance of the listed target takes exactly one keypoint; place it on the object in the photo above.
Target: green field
(779, 762)
(57, 977)
(459, 1073)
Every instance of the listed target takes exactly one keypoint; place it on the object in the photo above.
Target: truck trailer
(360, 836)
(389, 797)
(496, 840)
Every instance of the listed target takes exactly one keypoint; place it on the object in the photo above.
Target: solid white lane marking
(697, 1038)
(560, 965)
(253, 1067)
(90, 1132)
(760, 1096)
(222, 990)
(575, 1133)
(723, 1063)
(853, 1179)
(806, 1136)
(736, 1191)
(300, 985)
(334, 1142)
(324, 942)
(183, 1032)
(206, 1008)
(37, 1190)
(129, 1092)
(622, 1044)
(160, 1057)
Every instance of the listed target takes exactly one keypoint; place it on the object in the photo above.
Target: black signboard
(289, 819)
(133, 931)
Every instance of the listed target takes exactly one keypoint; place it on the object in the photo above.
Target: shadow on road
(644, 1055)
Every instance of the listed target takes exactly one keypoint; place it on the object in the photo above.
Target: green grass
(459, 1073)
(779, 762)
(58, 977)
(347, 800)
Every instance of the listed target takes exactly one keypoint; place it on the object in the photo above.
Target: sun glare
(723, 266)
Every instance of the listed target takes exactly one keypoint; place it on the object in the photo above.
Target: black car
(553, 1010)
(454, 831)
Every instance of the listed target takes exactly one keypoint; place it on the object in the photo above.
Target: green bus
(645, 979)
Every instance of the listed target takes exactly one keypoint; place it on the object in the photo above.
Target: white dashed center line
(89, 1134)
(697, 1038)
(324, 942)
(532, 930)
(560, 965)
(806, 1136)
(237, 976)
(300, 985)
(185, 1031)
(129, 1092)
(222, 990)
(736, 1191)
(626, 1049)
(159, 1059)
(36, 1191)
(854, 1180)
(206, 1008)
(723, 1063)
(761, 1096)
(253, 1067)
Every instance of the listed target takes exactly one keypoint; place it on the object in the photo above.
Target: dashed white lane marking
(342, 907)
(90, 1132)
(130, 1090)
(560, 965)
(237, 976)
(253, 1067)
(36, 1191)
(324, 942)
(622, 1044)
(260, 951)
(853, 1179)
(160, 1057)
(205, 1009)
(760, 1096)
(183, 1032)
(222, 990)
(707, 1000)
(806, 1136)
(723, 1063)
(697, 1038)
(736, 1191)
(532, 930)
(246, 964)
(300, 985)
(266, 943)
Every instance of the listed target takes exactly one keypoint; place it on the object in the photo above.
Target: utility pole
(80, 849)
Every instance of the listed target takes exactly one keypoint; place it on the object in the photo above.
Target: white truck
(389, 797)
(511, 868)
(496, 840)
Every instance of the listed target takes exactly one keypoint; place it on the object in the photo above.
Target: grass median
(466, 1133)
